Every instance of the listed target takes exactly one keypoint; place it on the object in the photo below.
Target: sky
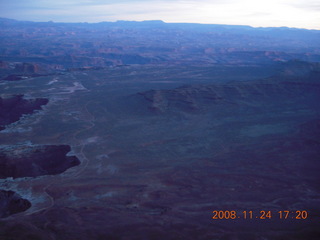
(256, 13)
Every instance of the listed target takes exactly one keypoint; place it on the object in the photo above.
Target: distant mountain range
(50, 47)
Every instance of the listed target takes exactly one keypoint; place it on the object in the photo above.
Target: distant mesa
(11, 203)
(13, 77)
(27, 68)
(18, 77)
(12, 108)
(16, 71)
(18, 161)
(296, 68)
(285, 88)
(186, 98)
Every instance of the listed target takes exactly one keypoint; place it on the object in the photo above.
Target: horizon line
(160, 21)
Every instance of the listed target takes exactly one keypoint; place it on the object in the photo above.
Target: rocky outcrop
(12, 108)
(11, 203)
(31, 161)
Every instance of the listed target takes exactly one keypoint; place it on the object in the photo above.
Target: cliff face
(33, 161)
(11, 203)
(27, 68)
(12, 108)
(14, 71)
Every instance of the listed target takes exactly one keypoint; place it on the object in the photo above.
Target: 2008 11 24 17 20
(283, 214)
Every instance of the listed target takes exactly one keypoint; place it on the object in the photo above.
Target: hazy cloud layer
(291, 13)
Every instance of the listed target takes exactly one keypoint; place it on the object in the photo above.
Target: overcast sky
(265, 13)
